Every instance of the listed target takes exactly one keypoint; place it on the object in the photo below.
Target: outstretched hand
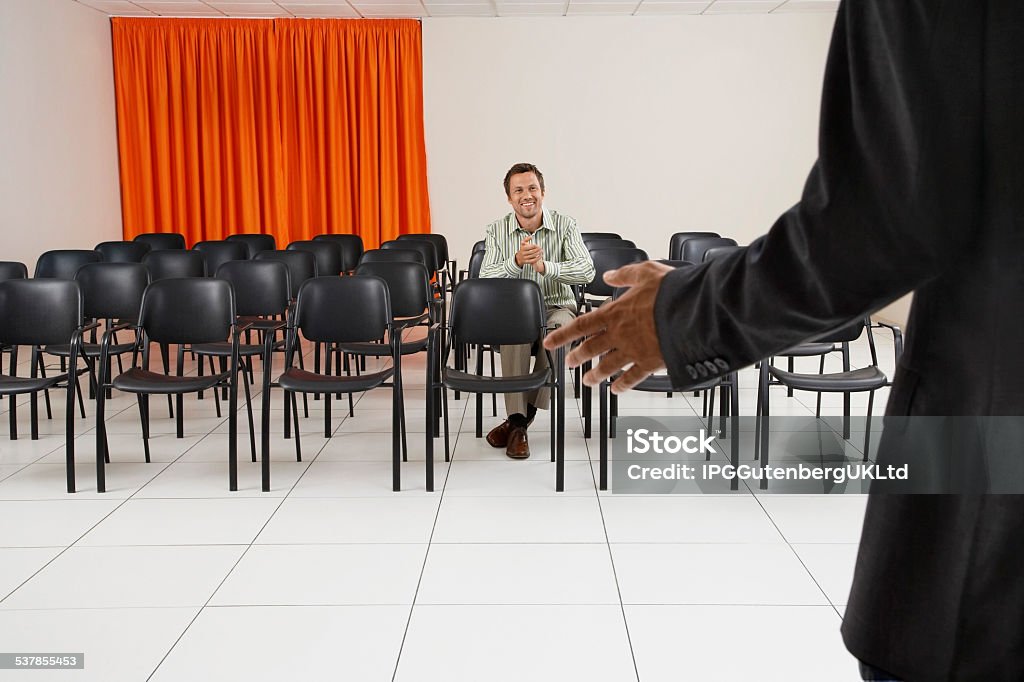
(622, 330)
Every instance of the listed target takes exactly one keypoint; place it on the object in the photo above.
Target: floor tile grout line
(433, 529)
(227, 575)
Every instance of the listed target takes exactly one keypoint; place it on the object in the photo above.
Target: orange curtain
(291, 127)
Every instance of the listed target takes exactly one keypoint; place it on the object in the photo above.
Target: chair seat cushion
(17, 385)
(662, 383)
(864, 379)
(222, 349)
(382, 349)
(808, 350)
(301, 381)
(475, 383)
(89, 350)
(136, 380)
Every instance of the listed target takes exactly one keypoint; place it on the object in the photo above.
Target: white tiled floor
(331, 575)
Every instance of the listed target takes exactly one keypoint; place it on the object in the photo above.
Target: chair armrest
(897, 337)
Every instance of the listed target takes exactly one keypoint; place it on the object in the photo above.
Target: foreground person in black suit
(919, 185)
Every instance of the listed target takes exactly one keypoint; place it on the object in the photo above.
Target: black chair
(392, 255)
(593, 244)
(695, 248)
(262, 293)
(179, 311)
(162, 241)
(351, 246)
(218, 252)
(675, 243)
(63, 263)
(111, 293)
(719, 251)
(444, 264)
(174, 264)
(10, 269)
(336, 310)
(494, 312)
(601, 235)
(848, 381)
(326, 253)
(593, 295)
(122, 252)
(426, 248)
(301, 266)
(255, 243)
(480, 246)
(412, 305)
(662, 383)
(38, 313)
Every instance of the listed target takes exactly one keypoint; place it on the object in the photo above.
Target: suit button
(722, 364)
(712, 367)
(701, 369)
(691, 371)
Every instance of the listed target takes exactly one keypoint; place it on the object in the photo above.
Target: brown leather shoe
(518, 446)
(498, 436)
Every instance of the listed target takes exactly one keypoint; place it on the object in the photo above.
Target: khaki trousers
(515, 360)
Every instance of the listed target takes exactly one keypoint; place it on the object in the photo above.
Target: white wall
(59, 183)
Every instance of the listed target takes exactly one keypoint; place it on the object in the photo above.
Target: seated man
(545, 246)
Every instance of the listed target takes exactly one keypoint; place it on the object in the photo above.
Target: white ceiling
(447, 8)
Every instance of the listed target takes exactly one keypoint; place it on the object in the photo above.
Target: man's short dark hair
(523, 168)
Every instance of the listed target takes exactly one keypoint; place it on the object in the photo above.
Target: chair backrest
(123, 252)
(162, 241)
(262, 287)
(675, 243)
(174, 264)
(496, 311)
(392, 255)
(12, 269)
(255, 243)
(476, 261)
(593, 244)
(112, 290)
(188, 310)
(327, 255)
(351, 246)
(479, 246)
(39, 312)
(218, 252)
(719, 251)
(600, 235)
(438, 240)
(845, 334)
(695, 248)
(64, 263)
(675, 263)
(301, 266)
(426, 248)
(408, 286)
(343, 309)
(610, 259)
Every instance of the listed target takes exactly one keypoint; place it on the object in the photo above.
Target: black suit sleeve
(888, 205)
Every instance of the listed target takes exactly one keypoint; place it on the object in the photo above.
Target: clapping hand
(530, 253)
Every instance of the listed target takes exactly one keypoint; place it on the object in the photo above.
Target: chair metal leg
(248, 405)
(867, 426)
(295, 415)
(233, 426)
(42, 372)
(143, 401)
(12, 399)
(34, 398)
(560, 388)
(734, 392)
(69, 435)
(165, 355)
(603, 433)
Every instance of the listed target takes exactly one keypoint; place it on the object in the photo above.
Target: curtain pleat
(290, 127)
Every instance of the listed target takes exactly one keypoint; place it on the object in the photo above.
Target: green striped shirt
(566, 259)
